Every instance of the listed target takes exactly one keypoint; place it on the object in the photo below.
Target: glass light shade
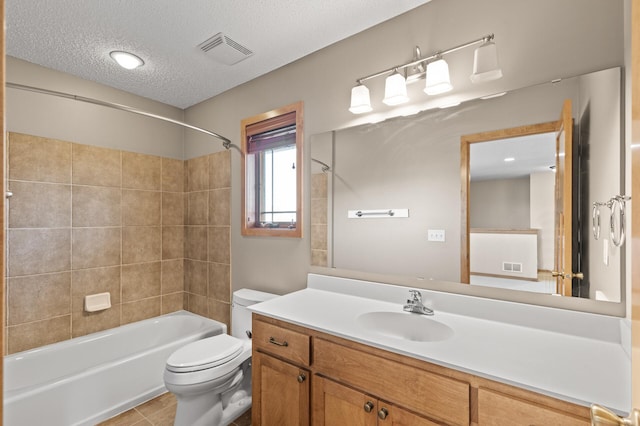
(360, 100)
(485, 63)
(438, 80)
(126, 60)
(395, 90)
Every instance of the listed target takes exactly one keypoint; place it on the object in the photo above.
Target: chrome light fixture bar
(485, 68)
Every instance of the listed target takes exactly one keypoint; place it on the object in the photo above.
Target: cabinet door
(496, 409)
(399, 417)
(338, 405)
(280, 393)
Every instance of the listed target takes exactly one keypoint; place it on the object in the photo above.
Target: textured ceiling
(76, 36)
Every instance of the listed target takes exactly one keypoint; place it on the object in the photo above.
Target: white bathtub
(88, 379)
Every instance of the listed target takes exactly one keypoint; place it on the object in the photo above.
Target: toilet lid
(205, 353)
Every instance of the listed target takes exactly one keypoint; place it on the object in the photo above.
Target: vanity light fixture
(395, 89)
(485, 63)
(126, 60)
(438, 80)
(360, 100)
(485, 68)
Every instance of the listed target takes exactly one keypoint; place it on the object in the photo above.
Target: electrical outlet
(435, 235)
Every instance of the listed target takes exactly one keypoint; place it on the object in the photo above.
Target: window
(272, 173)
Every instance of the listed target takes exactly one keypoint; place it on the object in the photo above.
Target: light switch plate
(435, 235)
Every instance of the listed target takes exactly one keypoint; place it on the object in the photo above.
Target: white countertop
(583, 360)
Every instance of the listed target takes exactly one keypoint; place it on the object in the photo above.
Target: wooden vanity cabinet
(336, 404)
(280, 375)
(304, 377)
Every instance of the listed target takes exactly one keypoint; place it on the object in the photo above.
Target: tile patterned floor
(160, 411)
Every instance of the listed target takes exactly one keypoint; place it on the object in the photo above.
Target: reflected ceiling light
(438, 80)
(485, 63)
(126, 60)
(360, 100)
(395, 89)
(436, 70)
(509, 159)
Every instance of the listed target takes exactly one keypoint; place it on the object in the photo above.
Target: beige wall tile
(92, 281)
(220, 311)
(172, 276)
(39, 333)
(220, 170)
(172, 175)
(172, 302)
(95, 247)
(220, 207)
(198, 208)
(39, 159)
(195, 277)
(219, 244)
(198, 304)
(319, 258)
(141, 208)
(83, 323)
(319, 237)
(96, 206)
(319, 211)
(173, 208)
(197, 171)
(38, 251)
(195, 246)
(97, 166)
(172, 242)
(38, 297)
(319, 185)
(39, 205)
(220, 282)
(140, 310)
(140, 171)
(141, 244)
(140, 281)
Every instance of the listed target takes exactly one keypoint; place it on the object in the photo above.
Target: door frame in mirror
(465, 179)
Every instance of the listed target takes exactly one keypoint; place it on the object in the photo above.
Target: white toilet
(211, 378)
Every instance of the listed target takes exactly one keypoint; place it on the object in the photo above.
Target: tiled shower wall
(207, 263)
(85, 220)
(319, 219)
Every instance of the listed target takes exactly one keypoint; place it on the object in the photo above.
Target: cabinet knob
(368, 407)
(383, 413)
(302, 377)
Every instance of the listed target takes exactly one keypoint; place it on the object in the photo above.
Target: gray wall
(64, 119)
(500, 203)
(324, 79)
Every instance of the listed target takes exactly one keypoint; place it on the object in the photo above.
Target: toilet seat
(204, 354)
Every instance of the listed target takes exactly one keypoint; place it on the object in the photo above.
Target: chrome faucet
(414, 304)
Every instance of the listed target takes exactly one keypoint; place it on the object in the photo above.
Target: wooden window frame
(261, 123)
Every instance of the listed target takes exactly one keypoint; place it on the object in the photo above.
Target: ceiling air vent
(224, 49)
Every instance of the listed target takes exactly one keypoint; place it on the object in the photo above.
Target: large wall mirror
(399, 197)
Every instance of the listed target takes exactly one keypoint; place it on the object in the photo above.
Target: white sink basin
(405, 326)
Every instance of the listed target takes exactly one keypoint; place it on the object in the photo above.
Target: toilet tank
(240, 315)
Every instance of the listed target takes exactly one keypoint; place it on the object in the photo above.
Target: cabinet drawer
(495, 408)
(438, 397)
(285, 343)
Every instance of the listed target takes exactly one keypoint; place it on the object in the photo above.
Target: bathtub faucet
(414, 304)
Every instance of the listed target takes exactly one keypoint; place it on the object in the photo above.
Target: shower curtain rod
(225, 142)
